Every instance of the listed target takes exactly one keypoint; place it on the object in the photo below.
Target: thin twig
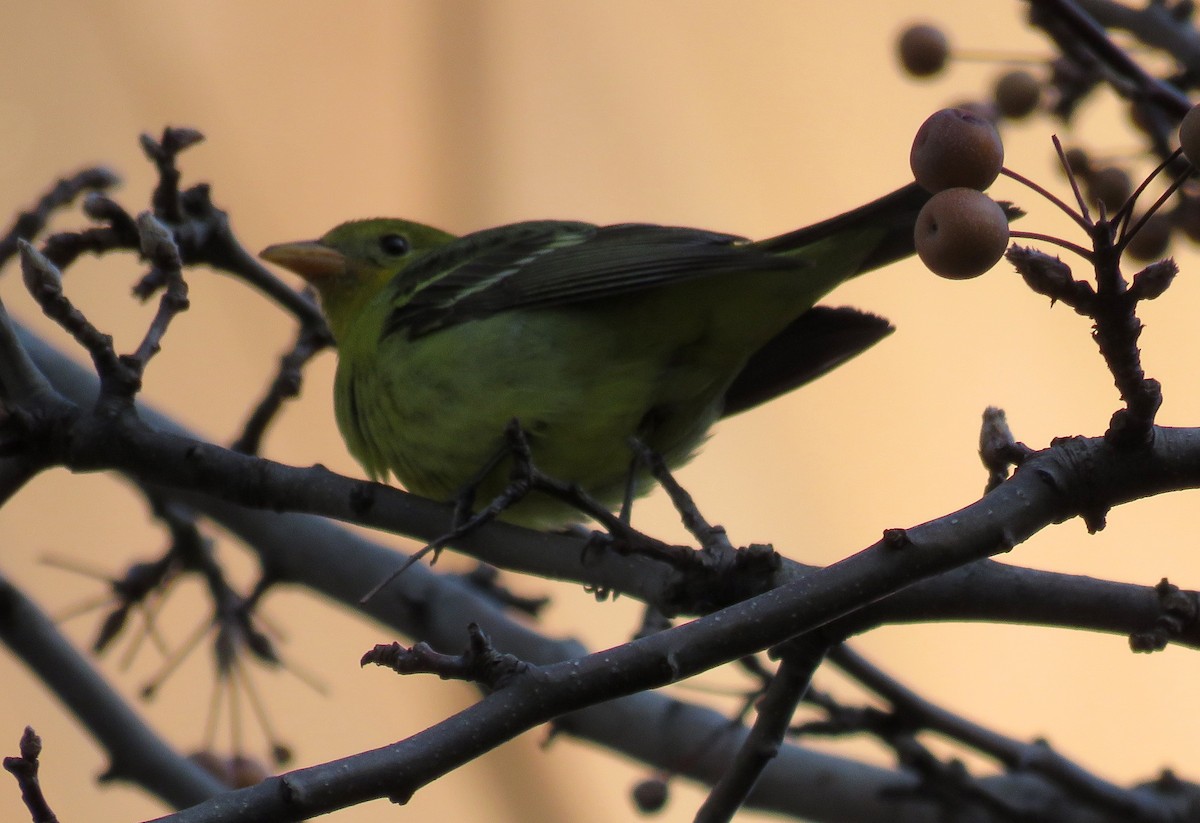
(29, 224)
(309, 342)
(1080, 219)
(759, 748)
(25, 769)
(1014, 754)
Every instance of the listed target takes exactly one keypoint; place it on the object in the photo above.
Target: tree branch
(1046, 485)
(136, 753)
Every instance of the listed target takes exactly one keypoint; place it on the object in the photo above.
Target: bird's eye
(394, 244)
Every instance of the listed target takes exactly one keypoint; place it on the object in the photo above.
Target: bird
(583, 336)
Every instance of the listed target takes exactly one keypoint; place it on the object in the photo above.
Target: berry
(1187, 217)
(1189, 135)
(1078, 162)
(650, 795)
(1110, 186)
(961, 233)
(923, 50)
(214, 764)
(955, 148)
(1017, 94)
(1152, 239)
(247, 771)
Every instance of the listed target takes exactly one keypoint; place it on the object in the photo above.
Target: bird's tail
(895, 214)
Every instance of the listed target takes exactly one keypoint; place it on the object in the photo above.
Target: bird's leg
(526, 477)
(639, 458)
(463, 521)
(717, 552)
(523, 478)
(626, 513)
(464, 501)
(599, 542)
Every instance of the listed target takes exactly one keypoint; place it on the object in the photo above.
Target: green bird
(586, 335)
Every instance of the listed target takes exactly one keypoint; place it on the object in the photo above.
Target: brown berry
(955, 148)
(923, 50)
(1141, 117)
(985, 109)
(1152, 240)
(650, 795)
(1189, 135)
(281, 755)
(1017, 94)
(247, 771)
(1078, 162)
(1110, 186)
(214, 764)
(1187, 217)
(961, 233)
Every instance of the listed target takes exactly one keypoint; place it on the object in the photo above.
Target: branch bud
(41, 276)
(100, 207)
(158, 244)
(1153, 280)
(1049, 276)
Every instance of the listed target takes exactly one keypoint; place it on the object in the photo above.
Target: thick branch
(306, 559)
(295, 548)
(540, 695)
(136, 752)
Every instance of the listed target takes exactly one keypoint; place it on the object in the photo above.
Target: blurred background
(754, 118)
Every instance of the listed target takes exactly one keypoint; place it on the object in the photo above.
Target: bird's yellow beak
(312, 260)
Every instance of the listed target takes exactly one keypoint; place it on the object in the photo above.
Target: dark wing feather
(814, 343)
(536, 265)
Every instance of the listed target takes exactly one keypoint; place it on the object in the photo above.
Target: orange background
(752, 117)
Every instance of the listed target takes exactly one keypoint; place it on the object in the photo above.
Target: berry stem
(1129, 232)
(1079, 219)
(1086, 254)
(1004, 58)
(1072, 179)
(1126, 211)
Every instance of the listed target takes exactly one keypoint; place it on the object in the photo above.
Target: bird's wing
(547, 263)
(813, 344)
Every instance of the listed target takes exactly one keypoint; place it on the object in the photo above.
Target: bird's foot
(718, 571)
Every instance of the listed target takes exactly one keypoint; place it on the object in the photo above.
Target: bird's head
(353, 262)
